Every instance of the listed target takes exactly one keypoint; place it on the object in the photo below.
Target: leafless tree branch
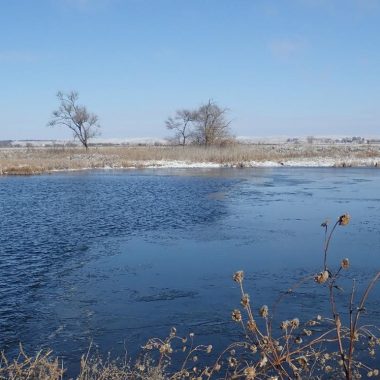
(70, 114)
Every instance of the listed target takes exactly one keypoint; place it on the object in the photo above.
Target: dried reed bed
(45, 366)
(26, 161)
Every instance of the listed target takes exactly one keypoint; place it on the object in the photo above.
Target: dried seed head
(325, 223)
(264, 341)
(344, 220)
(307, 332)
(253, 348)
(264, 311)
(232, 362)
(263, 361)
(295, 322)
(251, 325)
(302, 360)
(209, 348)
(238, 276)
(166, 349)
(250, 373)
(236, 315)
(245, 300)
(284, 325)
(345, 264)
(298, 340)
(322, 277)
(217, 367)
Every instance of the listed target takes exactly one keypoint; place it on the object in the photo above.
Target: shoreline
(20, 161)
(299, 164)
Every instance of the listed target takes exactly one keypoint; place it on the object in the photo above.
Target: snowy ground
(315, 162)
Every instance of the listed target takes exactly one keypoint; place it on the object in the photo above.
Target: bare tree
(211, 125)
(181, 124)
(70, 114)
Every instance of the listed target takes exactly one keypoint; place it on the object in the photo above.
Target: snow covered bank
(312, 163)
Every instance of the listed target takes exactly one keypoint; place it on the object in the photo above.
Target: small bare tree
(181, 124)
(211, 125)
(70, 114)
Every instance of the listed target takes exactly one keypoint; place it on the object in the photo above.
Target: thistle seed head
(238, 276)
(322, 277)
(344, 220)
(264, 311)
(236, 315)
(245, 300)
(345, 264)
(250, 373)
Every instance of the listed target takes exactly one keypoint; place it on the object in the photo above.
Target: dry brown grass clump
(22, 170)
(42, 366)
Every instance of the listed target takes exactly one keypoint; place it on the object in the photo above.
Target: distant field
(34, 160)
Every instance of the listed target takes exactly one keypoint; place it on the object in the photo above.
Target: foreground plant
(41, 366)
(321, 347)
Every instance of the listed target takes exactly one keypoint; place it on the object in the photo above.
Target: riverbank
(28, 161)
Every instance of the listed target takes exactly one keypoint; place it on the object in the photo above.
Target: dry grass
(26, 161)
(43, 366)
(22, 170)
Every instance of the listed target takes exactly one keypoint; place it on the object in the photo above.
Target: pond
(116, 257)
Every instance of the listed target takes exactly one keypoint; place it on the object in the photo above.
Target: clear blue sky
(283, 67)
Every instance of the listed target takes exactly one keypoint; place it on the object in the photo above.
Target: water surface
(115, 257)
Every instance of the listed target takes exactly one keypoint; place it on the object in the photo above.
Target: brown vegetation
(36, 160)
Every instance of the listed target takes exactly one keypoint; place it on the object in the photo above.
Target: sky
(281, 67)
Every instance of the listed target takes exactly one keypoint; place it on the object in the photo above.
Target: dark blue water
(119, 256)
